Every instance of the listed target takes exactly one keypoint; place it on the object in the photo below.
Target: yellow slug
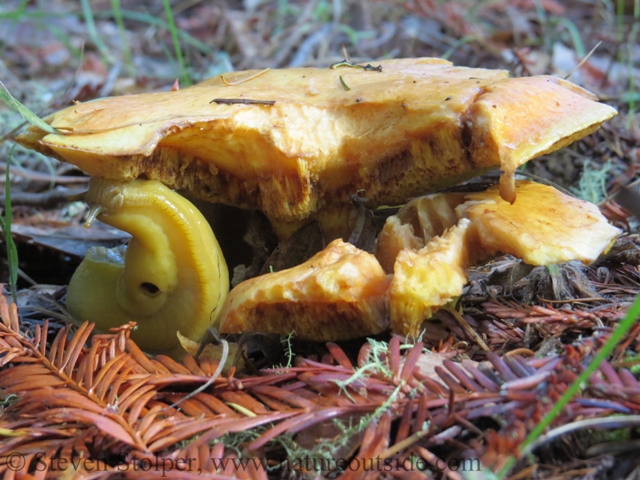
(173, 276)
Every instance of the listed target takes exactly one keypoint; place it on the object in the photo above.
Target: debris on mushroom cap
(544, 226)
(427, 279)
(289, 142)
(338, 294)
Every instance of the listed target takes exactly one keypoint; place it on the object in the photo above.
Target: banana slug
(173, 276)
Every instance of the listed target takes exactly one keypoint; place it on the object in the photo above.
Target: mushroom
(338, 294)
(430, 243)
(296, 144)
(543, 227)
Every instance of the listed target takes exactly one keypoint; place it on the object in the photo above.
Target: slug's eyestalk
(173, 276)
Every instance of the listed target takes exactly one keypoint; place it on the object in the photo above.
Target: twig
(466, 327)
(433, 460)
(242, 101)
(574, 300)
(587, 56)
(407, 442)
(42, 177)
(48, 199)
(347, 58)
(623, 421)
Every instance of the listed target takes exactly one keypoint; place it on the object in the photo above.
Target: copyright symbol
(15, 461)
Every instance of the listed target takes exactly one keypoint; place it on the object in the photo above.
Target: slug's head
(172, 277)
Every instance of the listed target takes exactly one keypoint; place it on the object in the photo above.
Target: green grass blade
(542, 18)
(117, 14)
(5, 223)
(631, 45)
(186, 80)
(158, 22)
(458, 43)
(27, 114)
(576, 38)
(61, 35)
(620, 21)
(93, 33)
(17, 14)
(623, 327)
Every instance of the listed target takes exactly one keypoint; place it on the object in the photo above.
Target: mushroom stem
(172, 278)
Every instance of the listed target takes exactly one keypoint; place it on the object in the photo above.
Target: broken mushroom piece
(292, 142)
(543, 227)
(172, 278)
(425, 280)
(415, 224)
(338, 294)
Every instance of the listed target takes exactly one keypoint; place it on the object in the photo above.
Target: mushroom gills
(172, 277)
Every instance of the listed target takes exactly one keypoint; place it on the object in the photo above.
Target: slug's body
(172, 277)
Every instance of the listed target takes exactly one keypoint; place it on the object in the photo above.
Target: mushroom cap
(416, 126)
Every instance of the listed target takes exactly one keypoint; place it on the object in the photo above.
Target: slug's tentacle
(173, 276)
